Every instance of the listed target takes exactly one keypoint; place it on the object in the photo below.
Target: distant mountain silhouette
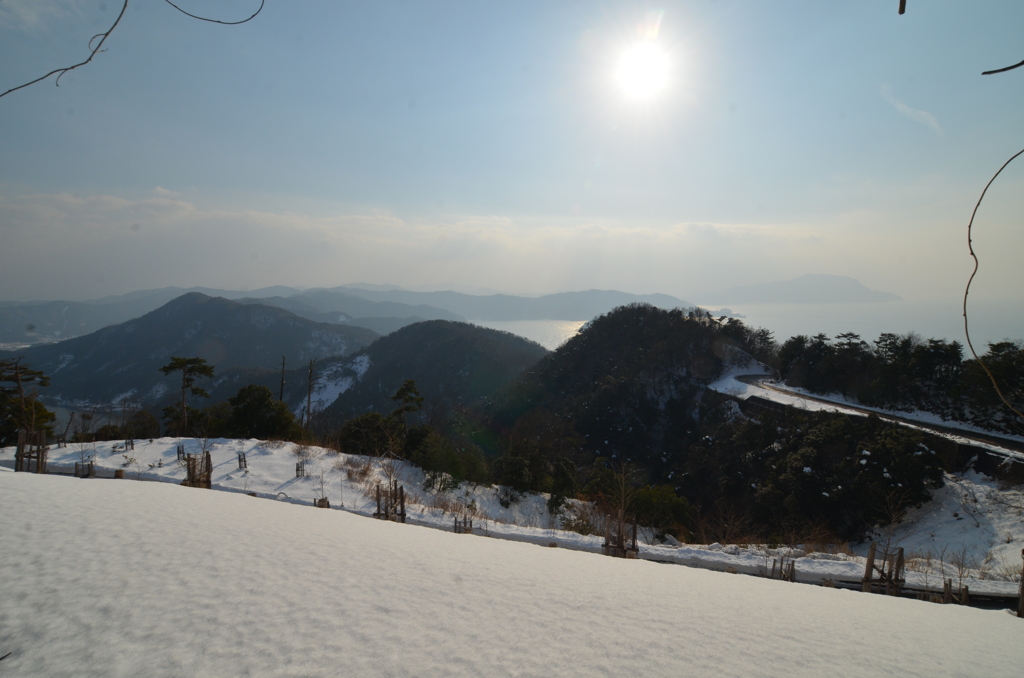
(125, 358)
(560, 306)
(355, 304)
(383, 308)
(49, 321)
(807, 289)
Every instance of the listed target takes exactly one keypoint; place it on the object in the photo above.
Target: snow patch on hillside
(360, 365)
(969, 521)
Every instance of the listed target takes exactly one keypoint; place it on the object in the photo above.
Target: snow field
(115, 578)
(992, 539)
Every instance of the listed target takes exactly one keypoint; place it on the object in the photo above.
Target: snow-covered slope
(117, 578)
(349, 481)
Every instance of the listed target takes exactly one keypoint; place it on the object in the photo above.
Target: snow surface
(971, 519)
(349, 481)
(119, 578)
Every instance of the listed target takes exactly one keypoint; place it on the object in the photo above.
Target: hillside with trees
(630, 384)
(622, 415)
(452, 363)
(906, 372)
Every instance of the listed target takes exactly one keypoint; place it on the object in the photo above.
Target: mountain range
(812, 288)
(382, 309)
(124, 359)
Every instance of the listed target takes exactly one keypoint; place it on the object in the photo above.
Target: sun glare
(642, 71)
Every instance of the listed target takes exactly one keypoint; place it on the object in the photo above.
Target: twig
(1003, 70)
(93, 51)
(217, 21)
(967, 290)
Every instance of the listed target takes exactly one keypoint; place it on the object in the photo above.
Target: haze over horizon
(683, 148)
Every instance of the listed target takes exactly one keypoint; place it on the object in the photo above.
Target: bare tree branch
(1003, 70)
(93, 51)
(217, 21)
(970, 247)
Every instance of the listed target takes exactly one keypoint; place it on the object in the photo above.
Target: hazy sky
(493, 145)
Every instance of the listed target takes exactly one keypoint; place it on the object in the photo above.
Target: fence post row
(31, 448)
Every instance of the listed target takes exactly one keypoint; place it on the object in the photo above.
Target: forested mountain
(124, 359)
(382, 310)
(452, 363)
(625, 404)
(49, 321)
(631, 382)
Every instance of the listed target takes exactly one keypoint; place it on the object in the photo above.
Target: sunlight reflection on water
(548, 333)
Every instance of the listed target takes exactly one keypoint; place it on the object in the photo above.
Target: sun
(643, 71)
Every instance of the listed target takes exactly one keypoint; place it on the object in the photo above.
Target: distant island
(813, 288)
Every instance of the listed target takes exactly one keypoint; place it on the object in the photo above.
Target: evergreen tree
(20, 408)
(409, 399)
(190, 368)
(255, 413)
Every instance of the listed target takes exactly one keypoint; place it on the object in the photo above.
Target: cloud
(36, 15)
(923, 117)
(86, 246)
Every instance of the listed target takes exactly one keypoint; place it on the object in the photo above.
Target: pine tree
(190, 368)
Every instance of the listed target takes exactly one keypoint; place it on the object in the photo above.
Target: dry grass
(356, 469)
(584, 518)
(831, 548)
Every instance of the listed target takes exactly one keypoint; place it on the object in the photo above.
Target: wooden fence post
(869, 566)
(1020, 593)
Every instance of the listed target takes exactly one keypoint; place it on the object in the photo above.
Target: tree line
(906, 372)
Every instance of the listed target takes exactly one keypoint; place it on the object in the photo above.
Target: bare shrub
(923, 564)
(830, 547)
(723, 523)
(1008, 572)
(444, 503)
(390, 466)
(963, 562)
(584, 518)
(356, 469)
